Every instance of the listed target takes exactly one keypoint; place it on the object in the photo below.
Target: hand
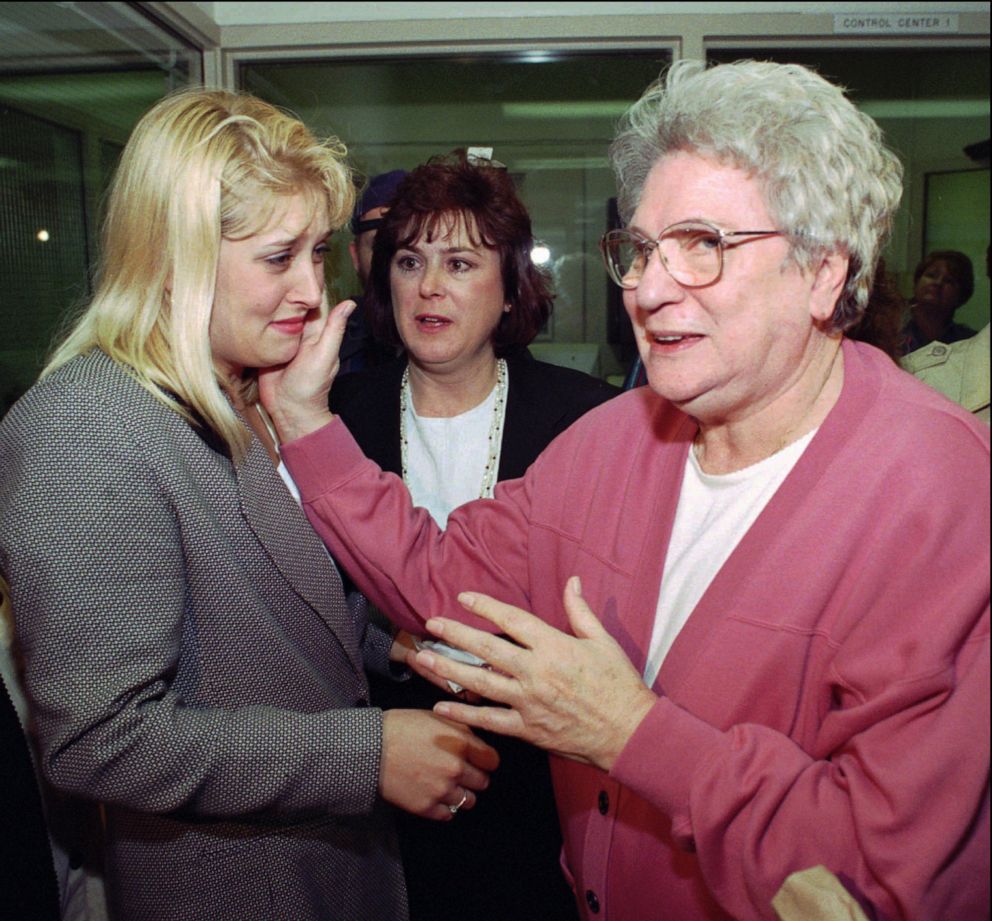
(403, 646)
(578, 696)
(404, 649)
(295, 394)
(430, 764)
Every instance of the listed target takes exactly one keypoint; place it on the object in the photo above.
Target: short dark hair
(446, 188)
(960, 266)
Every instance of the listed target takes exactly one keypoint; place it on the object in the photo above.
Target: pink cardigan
(827, 701)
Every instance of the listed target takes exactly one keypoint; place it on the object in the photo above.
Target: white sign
(895, 23)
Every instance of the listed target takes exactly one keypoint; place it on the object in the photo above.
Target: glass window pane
(549, 118)
(931, 105)
(74, 79)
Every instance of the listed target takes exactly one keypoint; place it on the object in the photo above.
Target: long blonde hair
(199, 166)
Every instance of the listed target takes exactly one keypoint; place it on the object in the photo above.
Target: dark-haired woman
(942, 282)
(452, 282)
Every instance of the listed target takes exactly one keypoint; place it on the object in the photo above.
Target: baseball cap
(378, 192)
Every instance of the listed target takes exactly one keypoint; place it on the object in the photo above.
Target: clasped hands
(578, 696)
(431, 766)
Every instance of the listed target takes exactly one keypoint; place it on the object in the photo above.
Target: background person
(942, 282)
(758, 669)
(366, 220)
(452, 283)
(960, 371)
(881, 323)
(189, 658)
(360, 349)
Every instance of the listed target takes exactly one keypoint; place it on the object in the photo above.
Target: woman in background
(942, 282)
(453, 284)
(188, 656)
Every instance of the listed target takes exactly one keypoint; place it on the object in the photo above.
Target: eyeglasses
(690, 251)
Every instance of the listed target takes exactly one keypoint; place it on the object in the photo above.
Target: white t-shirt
(713, 514)
(446, 457)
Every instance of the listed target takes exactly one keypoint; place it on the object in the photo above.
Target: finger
(417, 666)
(414, 664)
(340, 312)
(439, 812)
(450, 806)
(501, 720)
(520, 625)
(472, 778)
(583, 620)
(333, 332)
(495, 651)
(314, 324)
(484, 681)
(326, 342)
(482, 755)
(459, 798)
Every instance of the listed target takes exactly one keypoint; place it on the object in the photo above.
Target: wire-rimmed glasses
(690, 251)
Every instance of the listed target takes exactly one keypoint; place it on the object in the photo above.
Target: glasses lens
(624, 255)
(692, 253)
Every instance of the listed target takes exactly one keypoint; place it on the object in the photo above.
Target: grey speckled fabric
(190, 662)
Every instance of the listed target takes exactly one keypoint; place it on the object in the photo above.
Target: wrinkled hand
(414, 664)
(404, 650)
(578, 696)
(430, 764)
(295, 394)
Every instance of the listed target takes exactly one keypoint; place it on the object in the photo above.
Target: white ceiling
(225, 13)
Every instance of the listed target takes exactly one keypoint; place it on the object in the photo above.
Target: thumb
(481, 755)
(328, 343)
(585, 624)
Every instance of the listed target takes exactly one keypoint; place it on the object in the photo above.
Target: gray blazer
(191, 663)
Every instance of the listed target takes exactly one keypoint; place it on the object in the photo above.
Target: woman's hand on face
(431, 766)
(295, 394)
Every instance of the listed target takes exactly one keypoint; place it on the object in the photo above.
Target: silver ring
(461, 802)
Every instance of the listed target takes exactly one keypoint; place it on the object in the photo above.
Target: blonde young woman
(188, 655)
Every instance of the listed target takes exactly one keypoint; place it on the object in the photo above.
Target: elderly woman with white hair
(760, 585)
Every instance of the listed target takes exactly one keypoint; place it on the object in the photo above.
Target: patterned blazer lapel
(283, 530)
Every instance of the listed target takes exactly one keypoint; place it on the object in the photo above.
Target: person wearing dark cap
(359, 349)
(367, 218)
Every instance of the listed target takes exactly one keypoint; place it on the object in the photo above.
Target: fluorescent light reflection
(540, 254)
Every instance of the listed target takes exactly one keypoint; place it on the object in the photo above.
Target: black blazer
(542, 402)
(508, 847)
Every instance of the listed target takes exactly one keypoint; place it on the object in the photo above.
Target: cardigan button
(592, 901)
(604, 802)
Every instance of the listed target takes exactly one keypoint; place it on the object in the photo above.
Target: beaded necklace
(495, 427)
